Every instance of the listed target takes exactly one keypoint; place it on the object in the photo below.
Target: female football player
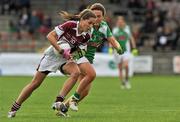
(63, 38)
(123, 34)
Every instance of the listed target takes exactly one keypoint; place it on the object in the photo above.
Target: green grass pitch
(152, 99)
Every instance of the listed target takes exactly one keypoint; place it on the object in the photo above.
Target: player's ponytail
(85, 14)
(67, 16)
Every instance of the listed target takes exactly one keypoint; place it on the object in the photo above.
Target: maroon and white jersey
(68, 32)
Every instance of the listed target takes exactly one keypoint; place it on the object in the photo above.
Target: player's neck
(79, 30)
(96, 27)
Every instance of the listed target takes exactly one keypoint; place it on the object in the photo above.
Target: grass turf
(152, 99)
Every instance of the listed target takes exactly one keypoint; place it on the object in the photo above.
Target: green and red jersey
(121, 36)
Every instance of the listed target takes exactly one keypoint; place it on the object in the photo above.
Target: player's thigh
(87, 69)
(126, 59)
(38, 78)
(120, 65)
(125, 63)
(71, 67)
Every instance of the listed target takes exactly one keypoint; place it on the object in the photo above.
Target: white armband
(58, 31)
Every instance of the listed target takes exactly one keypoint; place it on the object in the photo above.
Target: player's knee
(120, 67)
(126, 66)
(91, 76)
(75, 74)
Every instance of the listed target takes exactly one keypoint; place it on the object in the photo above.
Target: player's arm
(56, 33)
(115, 44)
(133, 43)
(52, 38)
(112, 40)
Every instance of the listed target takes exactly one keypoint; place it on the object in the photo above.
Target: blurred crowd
(24, 22)
(156, 23)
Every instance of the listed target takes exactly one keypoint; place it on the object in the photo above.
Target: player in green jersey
(123, 34)
(100, 32)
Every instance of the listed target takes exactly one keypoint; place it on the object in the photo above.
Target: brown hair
(85, 14)
(98, 6)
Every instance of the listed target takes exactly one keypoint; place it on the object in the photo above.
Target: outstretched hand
(119, 50)
(135, 52)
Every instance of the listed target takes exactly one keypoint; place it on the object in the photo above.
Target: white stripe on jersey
(58, 31)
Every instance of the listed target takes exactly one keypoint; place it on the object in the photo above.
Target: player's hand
(134, 51)
(66, 54)
(110, 50)
(119, 50)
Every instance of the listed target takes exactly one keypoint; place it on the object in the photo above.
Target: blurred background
(24, 25)
(154, 97)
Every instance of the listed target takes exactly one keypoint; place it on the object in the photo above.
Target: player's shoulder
(127, 27)
(115, 30)
(104, 23)
(103, 27)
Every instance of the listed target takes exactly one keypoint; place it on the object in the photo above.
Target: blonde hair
(121, 18)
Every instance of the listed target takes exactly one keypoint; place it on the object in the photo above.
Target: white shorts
(124, 57)
(51, 63)
(82, 60)
(52, 60)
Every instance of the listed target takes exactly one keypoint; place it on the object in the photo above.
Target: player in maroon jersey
(63, 38)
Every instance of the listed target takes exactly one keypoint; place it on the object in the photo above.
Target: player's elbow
(48, 36)
(75, 75)
(51, 35)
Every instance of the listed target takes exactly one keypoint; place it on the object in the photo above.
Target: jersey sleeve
(104, 28)
(60, 29)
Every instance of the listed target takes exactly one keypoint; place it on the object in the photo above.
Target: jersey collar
(77, 33)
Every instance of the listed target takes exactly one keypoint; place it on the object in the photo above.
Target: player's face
(121, 23)
(87, 24)
(99, 16)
